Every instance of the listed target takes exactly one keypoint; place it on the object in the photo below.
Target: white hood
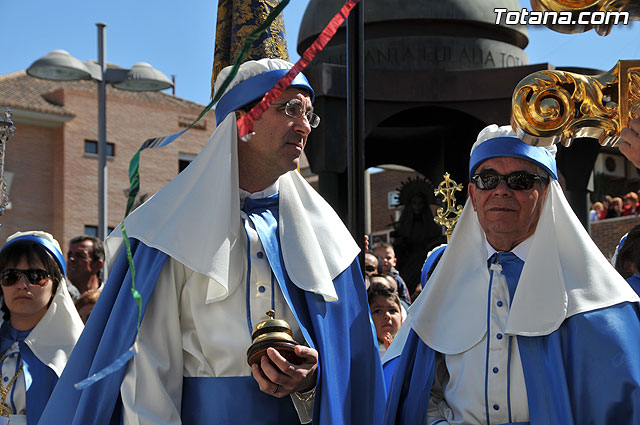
(195, 219)
(565, 274)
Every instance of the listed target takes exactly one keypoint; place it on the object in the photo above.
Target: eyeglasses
(370, 268)
(515, 181)
(294, 109)
(10, 277)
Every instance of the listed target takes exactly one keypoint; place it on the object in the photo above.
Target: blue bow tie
(511, 268)
(259, 205)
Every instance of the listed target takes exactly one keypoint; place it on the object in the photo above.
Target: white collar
(55, 335)
(521, 250)
(316, 246)
(268, 191)
(565, 274)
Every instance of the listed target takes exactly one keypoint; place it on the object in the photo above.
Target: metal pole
(367, 203)
(355, 123)
(102, 137)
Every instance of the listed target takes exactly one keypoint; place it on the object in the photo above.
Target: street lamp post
(6, 133)
(103, 172)
(59, 65)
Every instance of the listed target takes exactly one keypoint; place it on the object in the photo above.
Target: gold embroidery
(237, 19)
(5, 410)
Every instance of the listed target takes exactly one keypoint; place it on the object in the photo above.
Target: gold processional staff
(557, 106)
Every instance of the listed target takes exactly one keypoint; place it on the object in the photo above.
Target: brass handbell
(275, 333)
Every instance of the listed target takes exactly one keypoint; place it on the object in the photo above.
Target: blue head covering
(43, 239)
(511, 146)
(256, 87)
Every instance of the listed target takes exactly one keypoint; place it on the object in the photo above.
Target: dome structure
(424, 34)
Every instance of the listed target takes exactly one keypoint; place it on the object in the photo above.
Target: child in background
(388, 255)
(596, 211)
(386, 314)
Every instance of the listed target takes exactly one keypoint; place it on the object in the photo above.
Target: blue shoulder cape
(40, 379)
(586, 372)
(350, 389)
(390, 363)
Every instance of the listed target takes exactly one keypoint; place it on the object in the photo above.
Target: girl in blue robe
(41, 325)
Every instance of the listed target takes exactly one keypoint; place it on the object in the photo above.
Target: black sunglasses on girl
(10, 277)
(519, 180)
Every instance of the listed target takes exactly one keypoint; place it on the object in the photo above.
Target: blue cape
(586, 372)
(350, 389)
(390, 364)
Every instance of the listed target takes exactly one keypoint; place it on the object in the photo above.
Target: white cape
(55, 335)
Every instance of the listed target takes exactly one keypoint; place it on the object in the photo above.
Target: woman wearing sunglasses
(41, 325)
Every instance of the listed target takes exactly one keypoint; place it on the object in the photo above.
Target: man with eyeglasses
(236, 234)
(523, 320)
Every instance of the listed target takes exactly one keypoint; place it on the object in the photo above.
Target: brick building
(52, 160)
(607, 233)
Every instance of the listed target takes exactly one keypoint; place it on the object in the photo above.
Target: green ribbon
(134, 292)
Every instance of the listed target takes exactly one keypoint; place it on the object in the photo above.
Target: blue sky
(178, 37)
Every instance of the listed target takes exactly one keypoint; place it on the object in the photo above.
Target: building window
(91, 146)
(184, 159)
(93, 230)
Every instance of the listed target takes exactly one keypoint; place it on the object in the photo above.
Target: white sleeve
(152, 387)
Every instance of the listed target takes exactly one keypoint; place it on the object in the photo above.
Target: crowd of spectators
(389, 298)
(612, 207)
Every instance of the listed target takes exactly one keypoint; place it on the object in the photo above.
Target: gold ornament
(448, 217)
(5, 410)
(236, 20)
(557, 106)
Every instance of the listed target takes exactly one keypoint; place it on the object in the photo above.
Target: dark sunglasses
(10, 277)
(515, 181)
(78, 255)
(370, 268)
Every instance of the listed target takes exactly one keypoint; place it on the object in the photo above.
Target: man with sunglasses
(372, 263)
(236, 234)
(86, 259)
(523, 319)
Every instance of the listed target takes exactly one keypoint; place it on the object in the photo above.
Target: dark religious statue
(415, 232)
